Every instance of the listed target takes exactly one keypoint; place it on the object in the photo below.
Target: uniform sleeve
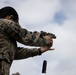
(21, 35)
(32, 38)
(22, 53)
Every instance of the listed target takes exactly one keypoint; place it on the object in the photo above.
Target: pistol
(50, 34)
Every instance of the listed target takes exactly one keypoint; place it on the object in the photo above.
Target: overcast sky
(56, 16)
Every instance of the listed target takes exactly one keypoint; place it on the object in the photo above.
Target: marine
(11, 32)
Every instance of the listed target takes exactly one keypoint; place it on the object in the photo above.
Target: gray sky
(56, 16)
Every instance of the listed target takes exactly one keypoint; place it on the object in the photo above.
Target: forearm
(32, 38)
(22, 53)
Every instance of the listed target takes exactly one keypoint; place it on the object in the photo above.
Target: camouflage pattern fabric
(4, 68)
(22, 53)
(10, 32)
(14, 31)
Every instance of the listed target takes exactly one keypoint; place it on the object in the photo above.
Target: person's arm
(35, 38)
(22, 35)
(22, 53)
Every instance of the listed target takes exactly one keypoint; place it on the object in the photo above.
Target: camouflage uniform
(10, 32)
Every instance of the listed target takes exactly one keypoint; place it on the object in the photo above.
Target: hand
(46, 48)
(49, 40)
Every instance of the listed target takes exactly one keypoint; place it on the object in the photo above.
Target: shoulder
(6, 21)
(9, 22)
